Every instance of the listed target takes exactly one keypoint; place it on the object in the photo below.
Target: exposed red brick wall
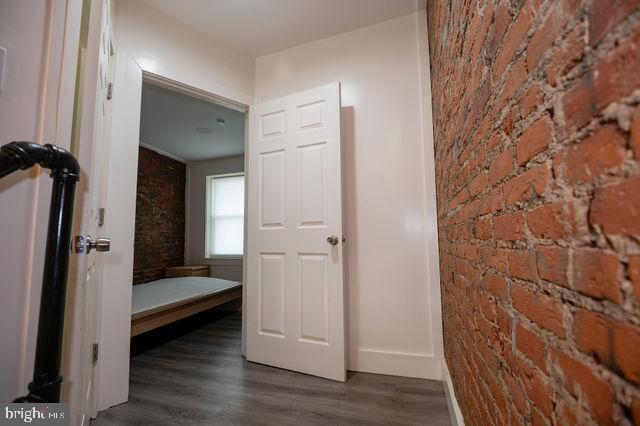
(537, 133)
(160, 216)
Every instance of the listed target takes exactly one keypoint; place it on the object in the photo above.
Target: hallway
(201, 378)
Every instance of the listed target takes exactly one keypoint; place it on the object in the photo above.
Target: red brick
(634, 274)
(596, 274)
(488, 308)
(496, 285)
(565, 414)
(635, 134)
(543, 310)
(579, 102)
(480, 37)
(540, 393)
(510, 120)
(626, 341)
(512, 41)
(635, 411)
(616, 208)
(488, 90)
(613, 343)
(595, 155)
(471, 31)
(531, 99)
(479, 105)
(547, 221)
(501, 166)
(613, 78)
(478, 184)
(498, 396)
(494, 141)
(159, 206)
(537, 419)
(580, 381)
(522, 264)
(592, 334)
(515, 78)
(531, 345)
(617, 76)
(553, 25)
(567, 56)
(602, 16)
(501, 21)
(526, 185)
(517, 394)
(552, 262)
(534, 140)
(491, 202)
(509, 227)
(461, 197)
(504, 322)
(482, 229)
(498, 260)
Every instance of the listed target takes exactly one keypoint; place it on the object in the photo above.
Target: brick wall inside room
(537, 142)
(160, 216)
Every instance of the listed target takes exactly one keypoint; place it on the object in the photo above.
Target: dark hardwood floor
(193, 373)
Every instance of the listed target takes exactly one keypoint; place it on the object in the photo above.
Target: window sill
(224, 261)
(225, 257)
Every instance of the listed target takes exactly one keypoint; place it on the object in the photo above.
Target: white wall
(35, 105)
(25, 69)
(393, 296)
(392, 270)
(167, 47)
(197, 171)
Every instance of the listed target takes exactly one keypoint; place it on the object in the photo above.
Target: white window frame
(209, 218)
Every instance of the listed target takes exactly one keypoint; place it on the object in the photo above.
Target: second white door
(295, 296)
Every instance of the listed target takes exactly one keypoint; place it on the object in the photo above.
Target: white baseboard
(395, 363)
(452, 402)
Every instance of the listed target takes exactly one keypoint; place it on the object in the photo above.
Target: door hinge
(101, 216)
(94, 355)
(109, 91)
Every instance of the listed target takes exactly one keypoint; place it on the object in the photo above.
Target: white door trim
(114, 388)
(187, 89)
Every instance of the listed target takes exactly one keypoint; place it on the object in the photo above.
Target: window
(225, 215)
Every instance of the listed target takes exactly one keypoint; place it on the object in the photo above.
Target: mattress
(168, 291)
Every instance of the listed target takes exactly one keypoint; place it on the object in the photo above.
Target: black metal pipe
(9, 163)
(65, 172)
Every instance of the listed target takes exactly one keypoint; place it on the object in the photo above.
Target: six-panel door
(295, 306)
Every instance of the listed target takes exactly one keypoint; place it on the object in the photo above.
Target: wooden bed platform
(161, 302)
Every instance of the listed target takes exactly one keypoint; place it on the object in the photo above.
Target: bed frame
(162, 315)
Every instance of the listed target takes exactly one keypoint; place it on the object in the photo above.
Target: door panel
(295, 314)
(119, 224)
(272, 291)
(93, 144)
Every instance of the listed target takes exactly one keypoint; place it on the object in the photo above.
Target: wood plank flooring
(199, 377)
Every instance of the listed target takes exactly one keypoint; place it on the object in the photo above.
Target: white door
(295, 306)
(119, 225)
(92, 149)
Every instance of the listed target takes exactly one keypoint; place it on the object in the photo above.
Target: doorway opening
(189, 233)
(189, 221)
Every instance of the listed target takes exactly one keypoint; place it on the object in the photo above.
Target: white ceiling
(169, 120)
(259, 27)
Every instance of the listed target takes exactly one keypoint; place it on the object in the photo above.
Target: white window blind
(225, 214)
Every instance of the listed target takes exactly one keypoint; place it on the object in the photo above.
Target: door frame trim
(189, 90)
(186, 89)
(177, 86)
